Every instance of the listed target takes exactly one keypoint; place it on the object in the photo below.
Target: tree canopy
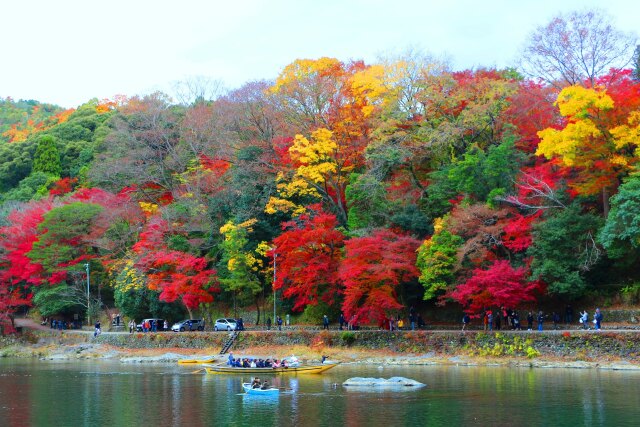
(339, 186)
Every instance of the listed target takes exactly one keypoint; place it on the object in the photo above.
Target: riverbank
(571, 349)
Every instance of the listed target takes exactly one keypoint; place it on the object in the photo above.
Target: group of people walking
(510, 319)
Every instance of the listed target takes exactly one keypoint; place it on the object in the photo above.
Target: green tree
(64, 230)
(366, 198)
(16, 162)
(437, 261)
(239, 267)
(564, 250)
(141, 303)
(478, 174)
(36, 184)
(61, 299)
(620, 235)
(47, 156)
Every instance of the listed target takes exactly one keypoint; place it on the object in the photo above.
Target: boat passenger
(238, 363)
(256, 383)
(252, 364)
(265, 385)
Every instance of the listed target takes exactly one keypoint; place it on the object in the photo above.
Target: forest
(337, 187)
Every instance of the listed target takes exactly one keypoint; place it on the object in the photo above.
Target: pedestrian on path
(598, 319)
(584, 319)
(540, 320)
(465, 321)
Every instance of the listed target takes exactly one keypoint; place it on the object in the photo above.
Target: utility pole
(86, 266)
(275, 256)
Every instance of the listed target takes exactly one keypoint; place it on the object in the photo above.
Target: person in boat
(230, 360)
(256, 383)
(253, 364)
(265, 385)
(238, 363)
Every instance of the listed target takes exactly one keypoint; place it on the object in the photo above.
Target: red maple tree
(177, 275)
(308, 256)
(373, 269)
(498, 285)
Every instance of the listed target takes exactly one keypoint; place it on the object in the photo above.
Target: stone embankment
(418, 347)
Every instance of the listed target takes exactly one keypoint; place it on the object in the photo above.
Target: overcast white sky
(69, 51)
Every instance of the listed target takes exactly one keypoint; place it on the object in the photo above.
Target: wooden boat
(192, 361)
(301, 369)
(260, 392)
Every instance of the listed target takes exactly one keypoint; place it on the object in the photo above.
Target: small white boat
(259, 391)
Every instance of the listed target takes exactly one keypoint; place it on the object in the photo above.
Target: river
(104, 393)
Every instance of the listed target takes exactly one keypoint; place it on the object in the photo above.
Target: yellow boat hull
(309, 369)
(194, 361)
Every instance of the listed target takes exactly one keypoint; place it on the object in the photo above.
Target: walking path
(31, 324)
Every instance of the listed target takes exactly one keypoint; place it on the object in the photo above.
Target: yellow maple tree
(591, 141)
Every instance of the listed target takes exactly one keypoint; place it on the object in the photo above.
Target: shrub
(631, 294)
(348, 338)
(532, 352)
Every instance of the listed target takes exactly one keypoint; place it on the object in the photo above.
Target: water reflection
(103, 393)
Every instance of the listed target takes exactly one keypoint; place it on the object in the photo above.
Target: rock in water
(382, 382)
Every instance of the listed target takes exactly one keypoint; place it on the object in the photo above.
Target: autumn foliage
(343, 186)
(177, 275)
(374, 269)
(308, 254)
(500, 285)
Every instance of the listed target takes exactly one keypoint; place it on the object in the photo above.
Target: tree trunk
(258, 309)
(605, 202)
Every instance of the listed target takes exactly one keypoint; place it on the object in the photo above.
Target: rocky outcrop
(392, 382)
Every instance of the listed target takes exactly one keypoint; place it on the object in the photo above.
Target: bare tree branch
(542, 196)
(577, 48)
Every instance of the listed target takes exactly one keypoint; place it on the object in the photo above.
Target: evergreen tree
(47, 157)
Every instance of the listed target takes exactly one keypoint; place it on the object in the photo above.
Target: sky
(66, 52)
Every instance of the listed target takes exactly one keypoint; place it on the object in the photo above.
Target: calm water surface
(35, 393)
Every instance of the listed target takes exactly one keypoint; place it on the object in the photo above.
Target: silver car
(188, 325)
(225, 325)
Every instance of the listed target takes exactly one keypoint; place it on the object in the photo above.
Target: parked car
(158, 322)
(225, 325)
(188, 325)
